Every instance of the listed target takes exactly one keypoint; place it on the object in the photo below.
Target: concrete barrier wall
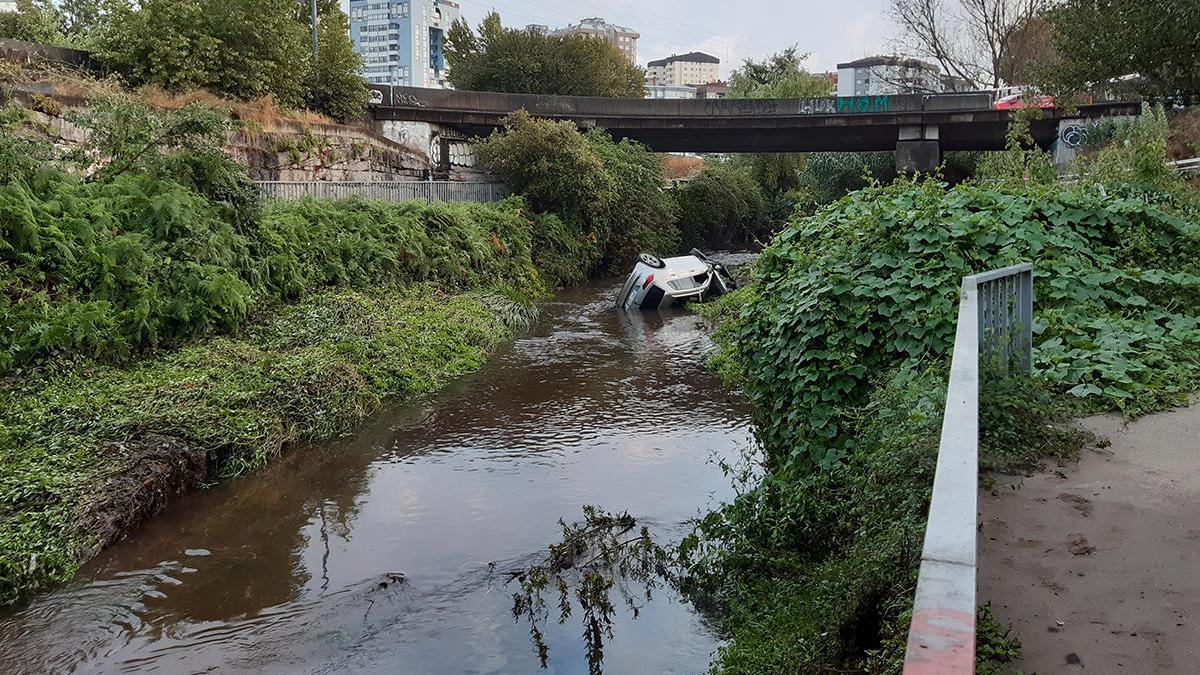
(28, 52)
(585, 106)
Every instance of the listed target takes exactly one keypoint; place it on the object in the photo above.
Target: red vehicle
(1017, 101)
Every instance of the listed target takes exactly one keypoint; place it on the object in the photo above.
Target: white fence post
(995, 321)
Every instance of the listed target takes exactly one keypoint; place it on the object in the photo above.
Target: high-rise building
(880, 75)
(684, 69)
(402, 42)
(620, 37)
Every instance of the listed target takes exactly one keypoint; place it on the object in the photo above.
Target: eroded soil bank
(1095, 564)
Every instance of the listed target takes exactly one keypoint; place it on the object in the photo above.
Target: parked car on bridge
(1022, 100)
(657, 282)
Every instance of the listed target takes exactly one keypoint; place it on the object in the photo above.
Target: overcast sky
(730, 30)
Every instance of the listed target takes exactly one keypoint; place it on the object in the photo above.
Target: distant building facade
(624, 39)
(712, 90)
(684, 69)
(881, 75)
(402, 42)
(8, 5)
(664, 91)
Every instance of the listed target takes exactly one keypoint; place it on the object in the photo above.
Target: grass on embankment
(88, 450)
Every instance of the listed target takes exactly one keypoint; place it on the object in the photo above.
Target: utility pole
(314, 29)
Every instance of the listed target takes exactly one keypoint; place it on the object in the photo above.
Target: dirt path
(1097, 564)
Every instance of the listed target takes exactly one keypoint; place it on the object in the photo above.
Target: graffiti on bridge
(863, 104)
(804, 106)
(1074, 136)
(402, 99)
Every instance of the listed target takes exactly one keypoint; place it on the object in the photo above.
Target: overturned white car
(656, 282)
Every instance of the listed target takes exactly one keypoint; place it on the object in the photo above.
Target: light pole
(314, 29)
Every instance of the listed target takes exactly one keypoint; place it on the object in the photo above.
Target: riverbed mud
(154, 468)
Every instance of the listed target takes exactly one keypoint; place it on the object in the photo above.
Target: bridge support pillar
(918, 156)
(918, 149)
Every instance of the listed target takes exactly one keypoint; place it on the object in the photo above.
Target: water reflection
(372, 553)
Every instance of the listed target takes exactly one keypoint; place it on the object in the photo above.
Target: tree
(1150, 47)
(80, 19)
(242, 49)
(1029, 48)
(239, 48)
(975, 40)
(612, 191)
(530, 62)
(781, 75)
(34, 21)
(333, 85)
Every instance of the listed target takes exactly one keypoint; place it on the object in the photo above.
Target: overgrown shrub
(612, 191)
(107, 269)
(829, 176)
(872, 280)
(721, 204)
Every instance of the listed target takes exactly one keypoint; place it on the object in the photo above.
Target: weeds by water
(88, 449)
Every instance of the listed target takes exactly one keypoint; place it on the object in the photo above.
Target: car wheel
(651, 261)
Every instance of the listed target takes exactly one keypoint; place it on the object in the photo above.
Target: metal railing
(1186, 165)
(393, 191)
(1005, 299)
(994, 330)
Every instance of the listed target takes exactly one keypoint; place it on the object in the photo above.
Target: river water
(299, 568)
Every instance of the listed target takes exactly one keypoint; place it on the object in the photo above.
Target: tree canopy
(781, 75)
(984, 42)
(243, 49)
(1151, 47)
(34, 21)
(495, 58)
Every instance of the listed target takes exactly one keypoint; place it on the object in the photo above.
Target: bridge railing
(994, 333)
(394, 191)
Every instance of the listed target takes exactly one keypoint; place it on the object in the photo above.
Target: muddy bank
(1094, 563)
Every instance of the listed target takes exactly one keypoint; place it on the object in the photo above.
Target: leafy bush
(829, 176)
(872, 280)
(813, 564)
(720, 205)
(1133, 150)
(612, 191)
(139, 260)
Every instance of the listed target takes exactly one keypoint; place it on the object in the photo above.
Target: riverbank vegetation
(610, 192)
(164, 328)
(841, 344)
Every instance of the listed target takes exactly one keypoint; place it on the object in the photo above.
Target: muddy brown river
(296, 569)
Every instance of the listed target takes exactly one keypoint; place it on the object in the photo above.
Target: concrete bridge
(918, 127)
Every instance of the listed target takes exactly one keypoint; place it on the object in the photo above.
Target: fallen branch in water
(592, 559)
